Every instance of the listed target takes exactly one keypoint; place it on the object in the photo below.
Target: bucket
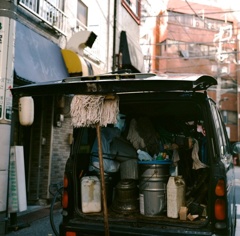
(90, 194)
(129, 169)
(153, 183)
(126, 197)
(175, 195)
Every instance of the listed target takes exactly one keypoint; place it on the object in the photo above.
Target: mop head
(90, 110)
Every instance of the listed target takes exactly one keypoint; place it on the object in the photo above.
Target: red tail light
(65, 181)
(71, 234)
(220, 188)
(65, 199)
(220, 209)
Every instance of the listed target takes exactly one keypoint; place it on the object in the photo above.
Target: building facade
(49, 41)
(189, 37)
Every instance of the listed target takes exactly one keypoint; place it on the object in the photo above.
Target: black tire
(57, 197)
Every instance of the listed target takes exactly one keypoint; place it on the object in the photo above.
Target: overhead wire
(171, 32)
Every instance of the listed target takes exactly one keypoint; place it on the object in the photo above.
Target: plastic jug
(91, 194)
(175, 195)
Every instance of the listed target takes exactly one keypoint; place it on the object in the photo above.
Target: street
(39, 227)
(237, 182)
(42, 227)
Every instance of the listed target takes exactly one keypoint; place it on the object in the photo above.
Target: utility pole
(114, 36)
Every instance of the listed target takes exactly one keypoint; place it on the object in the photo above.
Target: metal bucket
(153, 188)
(126, 197)
(129, 169)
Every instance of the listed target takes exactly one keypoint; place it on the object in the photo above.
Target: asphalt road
(37, 227)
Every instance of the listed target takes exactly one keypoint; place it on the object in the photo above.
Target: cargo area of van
(156, 166)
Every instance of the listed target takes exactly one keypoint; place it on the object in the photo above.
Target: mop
(96, 111)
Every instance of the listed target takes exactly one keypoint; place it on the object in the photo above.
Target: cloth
(197, 164)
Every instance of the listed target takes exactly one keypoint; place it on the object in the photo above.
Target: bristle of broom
(90, 110)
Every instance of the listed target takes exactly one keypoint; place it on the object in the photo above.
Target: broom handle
(103, 192)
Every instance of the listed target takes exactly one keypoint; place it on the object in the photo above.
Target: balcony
(49, 12)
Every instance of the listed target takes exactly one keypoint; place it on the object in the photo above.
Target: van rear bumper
(93, 229)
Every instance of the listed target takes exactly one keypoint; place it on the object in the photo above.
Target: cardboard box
(183, 213)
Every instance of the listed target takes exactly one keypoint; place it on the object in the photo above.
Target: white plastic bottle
(143, 156)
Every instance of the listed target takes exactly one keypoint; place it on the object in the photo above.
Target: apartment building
(189, 37)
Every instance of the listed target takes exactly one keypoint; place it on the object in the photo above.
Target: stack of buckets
(159, 192)
(152, 188)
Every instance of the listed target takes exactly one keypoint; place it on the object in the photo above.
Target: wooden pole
(103, 188)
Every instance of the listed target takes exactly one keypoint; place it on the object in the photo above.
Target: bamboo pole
(103, 188)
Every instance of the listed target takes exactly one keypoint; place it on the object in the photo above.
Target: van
(150, 156)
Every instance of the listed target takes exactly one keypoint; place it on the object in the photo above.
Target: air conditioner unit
(225, 70)
(184, 54)
(214, 68)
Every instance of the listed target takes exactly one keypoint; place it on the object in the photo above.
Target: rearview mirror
(236, 148)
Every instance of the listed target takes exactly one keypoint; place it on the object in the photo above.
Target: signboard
(7, 39)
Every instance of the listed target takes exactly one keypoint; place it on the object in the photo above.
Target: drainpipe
(114, 35)
(40, 150)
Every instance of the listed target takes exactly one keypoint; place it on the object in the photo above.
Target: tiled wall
(50, 150)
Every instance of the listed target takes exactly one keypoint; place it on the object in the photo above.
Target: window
(82, 13)
(133, 7)
(229, 117)
(197, 21)
(221, 133)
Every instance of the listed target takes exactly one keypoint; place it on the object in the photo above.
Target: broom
(96, 111)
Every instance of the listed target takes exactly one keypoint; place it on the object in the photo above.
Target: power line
(206, 13)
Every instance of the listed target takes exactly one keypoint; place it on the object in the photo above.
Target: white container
(91, 194)
(175, 195)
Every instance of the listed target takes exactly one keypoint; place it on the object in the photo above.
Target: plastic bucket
(153, 187)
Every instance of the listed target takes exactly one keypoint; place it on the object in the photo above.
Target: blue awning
(37, 59)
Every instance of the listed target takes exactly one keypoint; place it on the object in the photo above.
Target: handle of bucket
(148, 178)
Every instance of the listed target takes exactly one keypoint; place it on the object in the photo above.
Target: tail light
(220, 209)
(220, 188)
(220, 202)
(71, 234)
(65, 199)
(65, 192)
(65, 181)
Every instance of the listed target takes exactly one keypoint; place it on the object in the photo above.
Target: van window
(221, 133)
